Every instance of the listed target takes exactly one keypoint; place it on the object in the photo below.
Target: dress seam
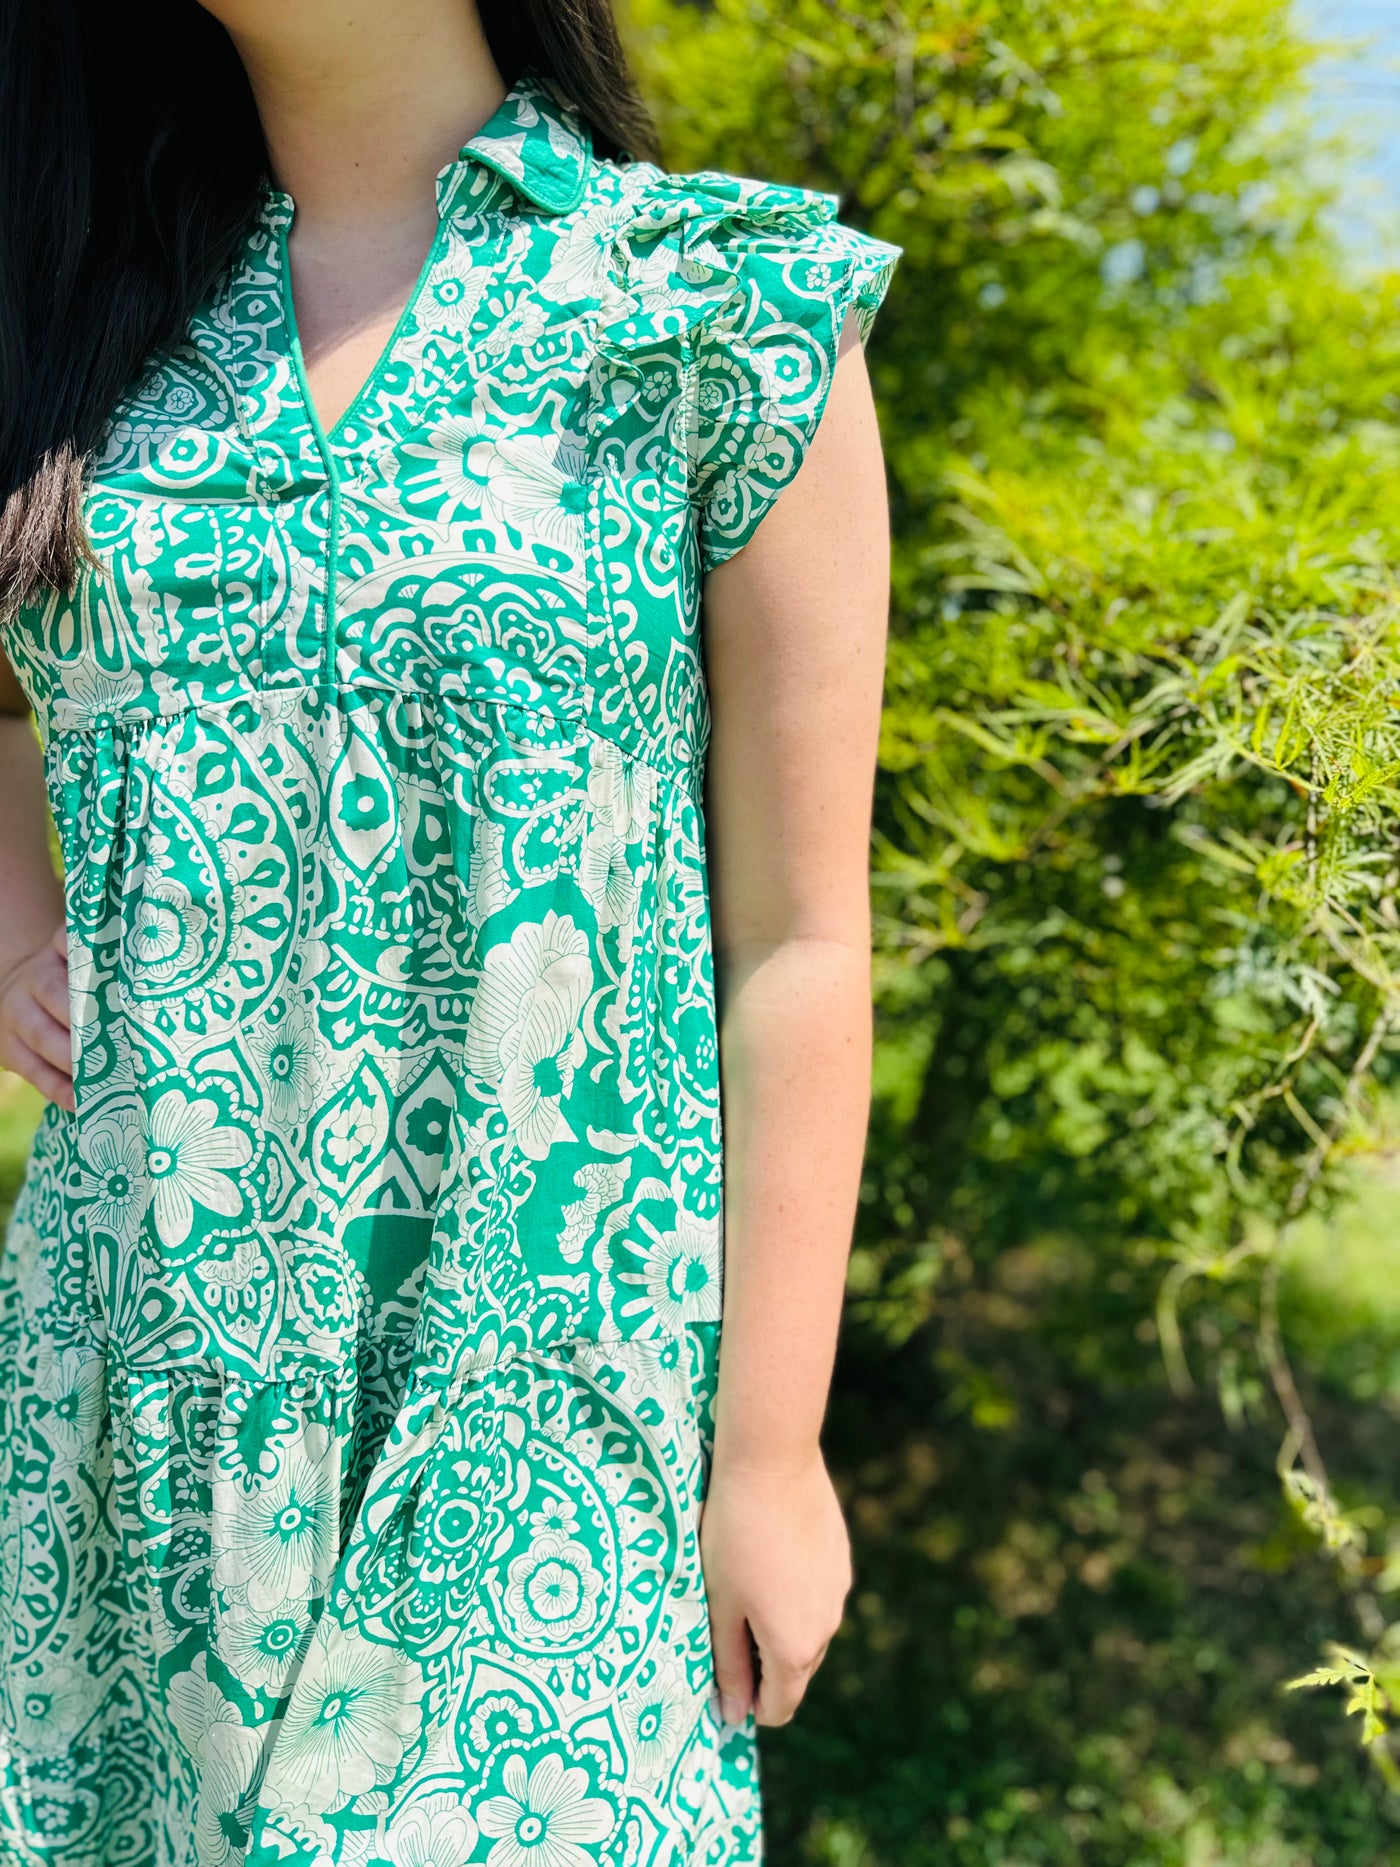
(449, 1381)
(688, 782)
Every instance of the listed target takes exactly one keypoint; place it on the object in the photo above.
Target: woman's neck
(361, 105)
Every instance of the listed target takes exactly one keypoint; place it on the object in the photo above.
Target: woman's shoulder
(751, 280)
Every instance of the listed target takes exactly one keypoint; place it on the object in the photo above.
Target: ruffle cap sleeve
(763, 274)
(753, 279)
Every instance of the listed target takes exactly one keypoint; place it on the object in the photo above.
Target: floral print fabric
(359, 1330)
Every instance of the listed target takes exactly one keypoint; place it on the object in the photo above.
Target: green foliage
(1364, 1691)
(1139, 772)
(1077, 1604)
(19, 1112)
(1135, 841)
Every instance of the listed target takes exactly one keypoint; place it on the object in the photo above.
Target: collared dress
(359, 1329)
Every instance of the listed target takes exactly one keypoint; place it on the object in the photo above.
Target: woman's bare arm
(34, 1031)
(795, 629)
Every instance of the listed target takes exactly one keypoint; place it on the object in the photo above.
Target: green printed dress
(359, 1331)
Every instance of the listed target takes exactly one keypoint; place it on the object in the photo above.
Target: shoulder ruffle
(753, 280)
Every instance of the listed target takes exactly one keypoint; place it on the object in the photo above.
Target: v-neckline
(329, 438)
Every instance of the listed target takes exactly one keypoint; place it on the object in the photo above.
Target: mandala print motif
(359, 1330)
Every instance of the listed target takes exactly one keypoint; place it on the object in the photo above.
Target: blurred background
(1358, 91)
(1117, 1416)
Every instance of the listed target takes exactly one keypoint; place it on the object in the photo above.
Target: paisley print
(359, 1331)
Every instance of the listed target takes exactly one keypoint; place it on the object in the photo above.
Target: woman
(379, 427)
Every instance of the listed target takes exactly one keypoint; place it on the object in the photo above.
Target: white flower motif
(499, 1720)
(606, 877)
(765, 451)
(553, 1589)
(524, 1032)
(620, 796)
(359, 1848)
(31, 1254)
(556, 1516)
(166, 929)
(650, 276)
(191, 1160)
(97, 691)
(450, 301)
(350, 1134)
(258, 1645)
(286, 1051)
(546, 1818)
(621, 790)
(229, 1754)
(436, 1832)
(656, 387)
(602, 1182)
(520, 325)
(278, 1542)
(354, 1710)
(113, 1152)
(576, 264)
(656, 1718)
(231, 1765)
(533, 484)
(786, 370)
(196, 1704)
(650, 1359)
(74, 1383)
(182, 457)
(50, 1701)
(432, 466)
(683, 1274)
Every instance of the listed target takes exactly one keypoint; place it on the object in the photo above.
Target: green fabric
(360, 1328)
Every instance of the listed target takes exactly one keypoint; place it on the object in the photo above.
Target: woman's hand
(777, 1561)
(35, 1038)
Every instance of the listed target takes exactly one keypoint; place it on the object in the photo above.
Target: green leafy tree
(1136, 860)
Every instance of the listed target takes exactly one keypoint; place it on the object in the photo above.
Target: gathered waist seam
(447, 1383)
(688, 781)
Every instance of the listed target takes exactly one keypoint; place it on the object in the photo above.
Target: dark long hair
(130, 155)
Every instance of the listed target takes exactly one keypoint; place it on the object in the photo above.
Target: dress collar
(541, 145)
